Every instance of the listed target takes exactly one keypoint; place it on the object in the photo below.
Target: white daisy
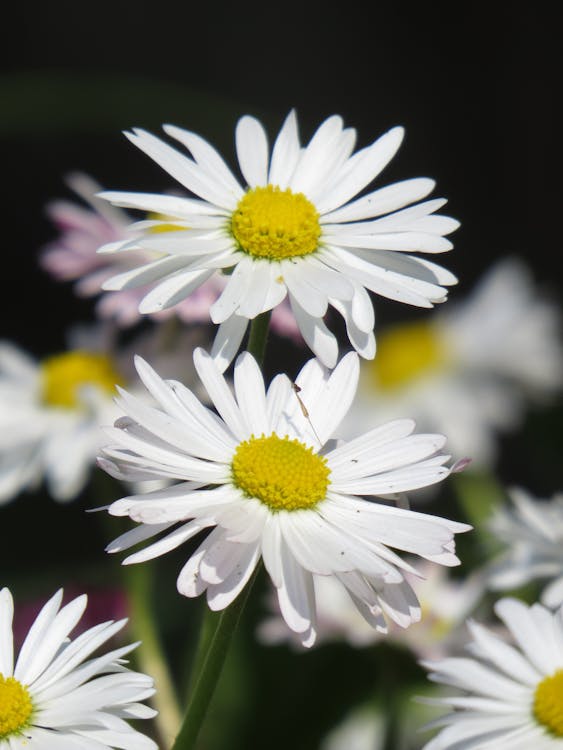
(265, 476)
(533, 533)
(58, 696)
(296, 228)
(515, 693)
(470, 369)
(50, 418)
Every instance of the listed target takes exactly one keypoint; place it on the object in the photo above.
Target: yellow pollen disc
(282, 473)
(65, 374)
(275, 224)
(405, 353)
(15, 706)
(548, 703)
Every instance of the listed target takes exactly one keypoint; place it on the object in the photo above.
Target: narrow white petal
(207, 157)
(220, 595)
(228, 340)
(250, 393)
(285, 154)
(252, 151)
(317, 336)
(173, 290)
(361, 169)
(296, 594)
(220, 393)
(183, 169)
(382, 201)
(169, 205)
(6, 637)
(232, 295)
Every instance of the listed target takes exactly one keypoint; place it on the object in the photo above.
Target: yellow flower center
(275, 224)
(548, 703)
(168, 227)
(65, 374)
(284, 474)
(15, 706)
(407, 352)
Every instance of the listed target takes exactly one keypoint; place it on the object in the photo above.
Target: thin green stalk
(210, 668)
(258, 336)
(139, 580)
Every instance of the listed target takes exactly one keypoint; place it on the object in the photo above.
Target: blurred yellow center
(284, 474)
(15, 706)
(405, 353)
(169, 226)
(275, 224)
(64, 375)
(548, 703)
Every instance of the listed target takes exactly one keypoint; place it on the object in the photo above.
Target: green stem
(139, 580)
(209, 667)
(258, 336)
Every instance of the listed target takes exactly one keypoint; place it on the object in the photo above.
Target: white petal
(228, 340)
(317, 336)
(6, 637)
(219, 393)
(173, 290)
(250, 393)
(285, 153)
(252, 151)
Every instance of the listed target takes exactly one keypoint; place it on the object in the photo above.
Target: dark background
(476, 86)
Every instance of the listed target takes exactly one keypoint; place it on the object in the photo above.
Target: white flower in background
(533, 531)
(268, 482)
(57, 696)
(293, 229)
(445, 603)
(50, 418)
(362, 729)
(513, 694)
(470, 369)
(73, 255)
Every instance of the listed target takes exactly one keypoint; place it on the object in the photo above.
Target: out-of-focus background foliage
(476, 86)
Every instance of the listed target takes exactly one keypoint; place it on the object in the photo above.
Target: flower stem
(209, 666)
(258, 336)
(139, 581)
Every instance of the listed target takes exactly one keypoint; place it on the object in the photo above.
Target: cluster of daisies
(277, 473)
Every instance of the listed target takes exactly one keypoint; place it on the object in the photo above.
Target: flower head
(50, 418)
(532, 529)
(296, 228)
(513, 695)
(266, 479)
(57, 695)
(469, 370)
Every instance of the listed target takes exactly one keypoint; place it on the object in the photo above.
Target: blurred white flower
(512, 695)
(56, 696)
(361, 729)
(50, 418)
(296, 229)
(470, 369)
(532, 531)
(445, 603)
(266, 478)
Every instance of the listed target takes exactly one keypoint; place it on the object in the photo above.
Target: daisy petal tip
(460, 465)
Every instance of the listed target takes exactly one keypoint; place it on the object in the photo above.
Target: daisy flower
(468, 371)
(73, 256)
(513, 693)
(295, 227)
(57, 696)
(266, 478)
(50, 418)
(532, 531)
